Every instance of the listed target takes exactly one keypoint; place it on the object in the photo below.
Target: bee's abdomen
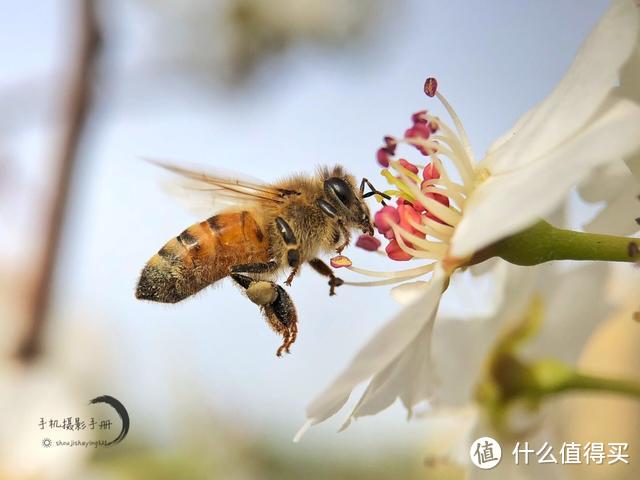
(202, 255)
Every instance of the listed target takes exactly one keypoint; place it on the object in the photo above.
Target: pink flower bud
(408, 165)
(408, 215)
(382, 155)
(419, 130)
(419, 117)
(430, 86)
(443, 199)
(391, 144)
(427, 151)
(369, 243)
(382, 217)
(394, 252)
(418, 207)
(430, 172)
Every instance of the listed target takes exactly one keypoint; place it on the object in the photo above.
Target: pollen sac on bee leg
(276, 306)
(262, 292)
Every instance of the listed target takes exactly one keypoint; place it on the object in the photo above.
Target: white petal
(564, 331)
(483, 268)
(634, 165)
(408, 292)
(505, 204)
(460, 346)
(507, 469)
(381, 351)
(568, 323)
(566, 326)
(618, 216)
(578, 96)
(408, 377)
(630, 76)
(603, 183)
(630, 87)
(449, 434)
(615, 185)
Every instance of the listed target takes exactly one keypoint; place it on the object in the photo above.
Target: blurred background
(88, 88)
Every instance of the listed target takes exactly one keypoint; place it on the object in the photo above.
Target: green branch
(552, 376)
(544, 243)
(604, 385)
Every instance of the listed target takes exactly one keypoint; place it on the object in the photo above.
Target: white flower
(611, 352)
(566, 327)
(581, 125)
(615, 185)
(446, 218)
(618, 184)
(630, 88)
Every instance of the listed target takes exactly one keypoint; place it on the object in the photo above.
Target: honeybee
(265, 230)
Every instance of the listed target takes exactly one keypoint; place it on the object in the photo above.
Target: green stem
(553, 376)
(543, 243)
(600, 384)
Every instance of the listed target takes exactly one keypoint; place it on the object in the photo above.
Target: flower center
(429, 194)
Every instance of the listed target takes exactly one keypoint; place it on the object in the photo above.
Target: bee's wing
(206, 193)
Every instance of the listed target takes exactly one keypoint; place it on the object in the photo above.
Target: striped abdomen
(202, 255)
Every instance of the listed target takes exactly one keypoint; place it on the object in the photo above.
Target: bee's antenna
(373, 191)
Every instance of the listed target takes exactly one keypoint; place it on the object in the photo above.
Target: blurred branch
(76, 107)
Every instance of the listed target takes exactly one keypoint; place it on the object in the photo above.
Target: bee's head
(340, 190)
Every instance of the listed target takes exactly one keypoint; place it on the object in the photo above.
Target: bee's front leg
(346, 235)
(276, 305)
(324, 269)
(291, 244)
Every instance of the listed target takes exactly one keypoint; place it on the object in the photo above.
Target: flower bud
(418, 130)
(368, 242)
(394, 252)
(382, 218)
(430, 172)
(382, 155)
(408, 165)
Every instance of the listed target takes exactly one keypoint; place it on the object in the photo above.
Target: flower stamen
(429, 200)
(410, 272)
(380, 283)
(428, 230)
(456, 121)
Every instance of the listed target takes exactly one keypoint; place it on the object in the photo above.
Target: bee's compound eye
(341, 189)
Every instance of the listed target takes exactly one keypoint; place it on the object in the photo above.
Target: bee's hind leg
(276, 305)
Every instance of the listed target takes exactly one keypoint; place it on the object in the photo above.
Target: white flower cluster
(586, 133)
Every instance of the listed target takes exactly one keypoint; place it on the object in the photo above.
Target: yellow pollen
(482, 175)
